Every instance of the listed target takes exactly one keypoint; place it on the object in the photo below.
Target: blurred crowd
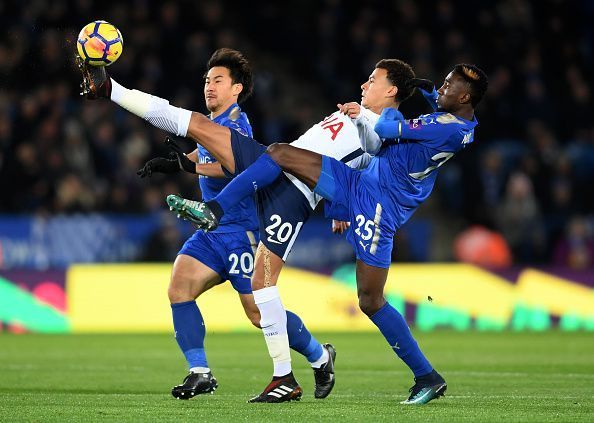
(529, 176)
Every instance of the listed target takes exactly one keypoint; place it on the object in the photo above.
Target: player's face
(452, 93)
(219, 90)
(376, 90)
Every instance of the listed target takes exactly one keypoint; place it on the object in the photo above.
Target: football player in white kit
(283, 207)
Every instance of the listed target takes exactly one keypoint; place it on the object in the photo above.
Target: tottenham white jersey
(337, 136)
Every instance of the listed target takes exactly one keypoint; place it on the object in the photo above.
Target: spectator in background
(576, 248)
(490, 187)
(164, 244)
(519, 220)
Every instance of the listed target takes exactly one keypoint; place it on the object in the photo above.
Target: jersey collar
(472, 123)
(226, 113)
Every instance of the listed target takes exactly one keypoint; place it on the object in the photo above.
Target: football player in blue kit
(227, 253)
(284, 206)
(381, 198)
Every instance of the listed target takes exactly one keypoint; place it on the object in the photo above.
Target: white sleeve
(365, 122)
(155, 110)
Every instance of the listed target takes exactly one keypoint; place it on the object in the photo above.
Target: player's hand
(339, 227)
(183, 161)
(424, 84)
(159, 165)
(352, 109)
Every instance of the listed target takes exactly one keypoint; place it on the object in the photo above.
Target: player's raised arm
(424, 128)
(427, 88)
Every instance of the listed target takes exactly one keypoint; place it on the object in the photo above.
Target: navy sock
(394, 328)
(301, 340)
(215, 208)
(190, 332)
(259, 174)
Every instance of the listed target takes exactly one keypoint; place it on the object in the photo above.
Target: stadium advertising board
(132, 298)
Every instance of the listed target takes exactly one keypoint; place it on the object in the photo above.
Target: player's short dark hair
(476, 78)
(399, 73)
(239, 69)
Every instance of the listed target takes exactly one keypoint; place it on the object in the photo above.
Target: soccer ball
(100, 43)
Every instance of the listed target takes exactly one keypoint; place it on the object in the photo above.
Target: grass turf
(491, 377)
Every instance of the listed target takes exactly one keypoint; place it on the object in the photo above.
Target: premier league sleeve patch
(415, 123)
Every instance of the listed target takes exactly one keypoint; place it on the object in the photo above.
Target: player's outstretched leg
(193, 211)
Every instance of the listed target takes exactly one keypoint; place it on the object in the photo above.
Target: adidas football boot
(283, 389)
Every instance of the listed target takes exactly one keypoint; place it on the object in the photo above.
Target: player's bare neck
(465, 113)
(216, 113)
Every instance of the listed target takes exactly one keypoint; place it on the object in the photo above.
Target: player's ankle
(322, 360)
(290, 374)
(282, 369)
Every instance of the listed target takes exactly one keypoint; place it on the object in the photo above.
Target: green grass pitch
(491, 377)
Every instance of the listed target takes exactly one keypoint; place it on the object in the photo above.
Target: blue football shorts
(371, 233)
(231, 255)
(282, 208)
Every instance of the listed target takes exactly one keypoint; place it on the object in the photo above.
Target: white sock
(199, 370)
(274, 326)
(157, 111)
(322, 360)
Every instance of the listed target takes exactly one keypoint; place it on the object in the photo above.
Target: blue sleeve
(431, 97)
(387, 125)
(431, 127)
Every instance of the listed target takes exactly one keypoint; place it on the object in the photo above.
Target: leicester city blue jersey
(241, 217)
(406, 167)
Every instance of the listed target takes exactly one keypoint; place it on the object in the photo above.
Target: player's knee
(370, 303)
(179, 290)
(258, 282)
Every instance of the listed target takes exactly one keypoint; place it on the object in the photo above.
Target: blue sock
(259, 174)
(190, 332)
(394, 328)
(301, 340)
